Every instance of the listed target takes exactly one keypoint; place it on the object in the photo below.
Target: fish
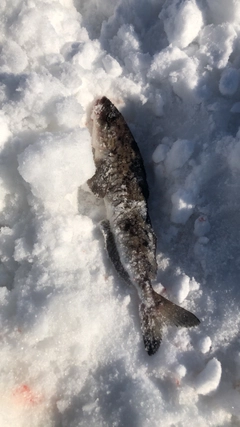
(120, 180)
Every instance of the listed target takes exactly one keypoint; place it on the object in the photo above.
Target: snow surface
(71, 349)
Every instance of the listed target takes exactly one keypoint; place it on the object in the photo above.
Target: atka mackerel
(120, 180)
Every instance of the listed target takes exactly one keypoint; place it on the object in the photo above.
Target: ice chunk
(229, 81)
(160, 153)
(234, 157)
(209, 379)
(180, 287)
(180, 371)
(235, 108)
(180, 152)
(157, 104)
(217, 44)
(182, 22)
(204, 344)
(112, 67)
(13, 58)
(57, 164)
(88, 54)
(223, 11)
(68, 112)
(182, 206)
(168, 60)
(201, 226)
(179, 68)
(4, 126)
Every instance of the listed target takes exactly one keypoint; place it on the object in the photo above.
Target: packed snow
(71, 350)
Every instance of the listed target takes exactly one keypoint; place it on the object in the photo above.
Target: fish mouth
(100, 107)
(103, 102)
(104, 112)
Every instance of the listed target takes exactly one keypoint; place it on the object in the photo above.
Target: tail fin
(163, 312)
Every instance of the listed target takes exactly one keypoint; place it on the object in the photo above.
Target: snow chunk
(126, 42)
(112, 67)
(68, 112)
(180, 371)
(223, 11)
(201, 226)
(4, 126)
(157, 103)
(160, 153)
(208, 380)
(88, 54)
(182, 207)
(234, 157)
(204, 345)
(217, 44)
(13, 59)
(235, 108)
(229, 81)
(168, 60)
(179, 68)
(57, 164)
(180, 152)
(182, 22)
(181, 287)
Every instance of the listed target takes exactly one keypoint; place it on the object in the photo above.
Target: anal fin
(112, 251)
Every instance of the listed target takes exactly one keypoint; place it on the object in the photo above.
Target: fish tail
(162, 312)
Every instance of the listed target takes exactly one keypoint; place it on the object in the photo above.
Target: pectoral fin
(98, 182)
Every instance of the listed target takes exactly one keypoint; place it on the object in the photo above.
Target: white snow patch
(229, 81)
(57, 165)
(217, 43)
(201, 226)
(209, 379)
(182, 206)
(180, 287)
(111, 66)
(234, 155)
(182, 22)
(179, 68)
(235, 108)
(222, 11)
(160, 153)
(13, 58)
(5, 131)
(180, 371)
(205, 344)
(178, 155)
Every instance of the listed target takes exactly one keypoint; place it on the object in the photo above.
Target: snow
(71, 348)
(201, 226)
(217, 43)
(61, 162)
(179, 153)
(182, 22)
(204, 344)
(208, 380)
(160, 153)
(229, 81)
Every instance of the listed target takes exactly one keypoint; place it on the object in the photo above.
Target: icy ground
(71, 350)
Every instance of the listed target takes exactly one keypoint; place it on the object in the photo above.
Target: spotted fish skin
(120, 179)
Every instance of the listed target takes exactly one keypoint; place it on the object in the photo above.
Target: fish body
(120, 179)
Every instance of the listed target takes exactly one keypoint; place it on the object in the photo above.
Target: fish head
(105, 113)
(105, 126)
